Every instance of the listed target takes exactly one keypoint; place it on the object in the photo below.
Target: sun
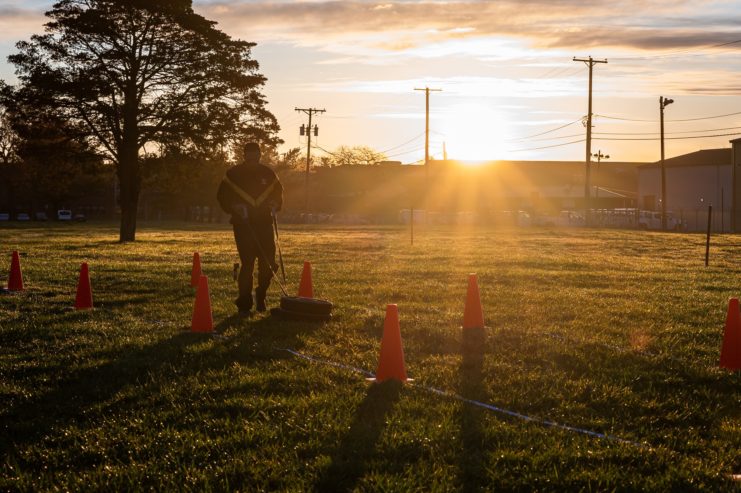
(472, 133)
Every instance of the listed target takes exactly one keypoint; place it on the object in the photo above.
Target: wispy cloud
(405, 25)
(19, 22)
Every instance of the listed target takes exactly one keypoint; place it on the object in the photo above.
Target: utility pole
(308, 130)
(427, 128)
(590, 62)
(663, 103)
(599, 157)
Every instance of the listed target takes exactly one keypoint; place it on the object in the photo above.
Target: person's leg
(246, 251)
(265, 265)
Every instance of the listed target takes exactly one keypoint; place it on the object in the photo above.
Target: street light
(663, 103)
(599, 157)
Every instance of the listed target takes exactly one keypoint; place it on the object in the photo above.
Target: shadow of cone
(730, 353)
(195, 273)
(84, 299)
(15, 281)
(203, 320)
(305, 288)
(473, 315)
(391, 361)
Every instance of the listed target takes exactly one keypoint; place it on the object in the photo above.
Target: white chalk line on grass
(472, 402)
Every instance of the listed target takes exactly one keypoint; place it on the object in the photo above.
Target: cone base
(199, 331)
(375, 380)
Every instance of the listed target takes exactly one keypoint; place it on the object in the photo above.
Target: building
(694, 182)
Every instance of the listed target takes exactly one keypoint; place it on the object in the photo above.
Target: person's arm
(225, 196)
(276, 197)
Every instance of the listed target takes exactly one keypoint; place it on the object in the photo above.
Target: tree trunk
(129, 179)
(128, 163)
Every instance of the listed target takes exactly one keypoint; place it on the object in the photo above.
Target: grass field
(617, 332)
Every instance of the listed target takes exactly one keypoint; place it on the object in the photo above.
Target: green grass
(613, 331)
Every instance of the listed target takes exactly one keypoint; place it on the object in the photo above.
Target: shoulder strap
(247, 197)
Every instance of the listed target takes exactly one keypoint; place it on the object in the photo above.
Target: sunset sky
(505, 69)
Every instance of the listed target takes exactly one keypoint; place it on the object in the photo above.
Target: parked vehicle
(80, 218)
(4, 216)
(22, 216)
(64, 215)
(41, 216)
(652, 220)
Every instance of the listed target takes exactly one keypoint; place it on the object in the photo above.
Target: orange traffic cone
(15, 282)
(203, 320)
(730, 353)
(305, 289)
(195, 273)
(473, 315)
(391, 361)
(84, 300)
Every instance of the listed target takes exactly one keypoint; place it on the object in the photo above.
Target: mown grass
(612, 331)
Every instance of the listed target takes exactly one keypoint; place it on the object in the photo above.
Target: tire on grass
(309, 306)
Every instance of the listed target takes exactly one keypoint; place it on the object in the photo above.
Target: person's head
(251, 153)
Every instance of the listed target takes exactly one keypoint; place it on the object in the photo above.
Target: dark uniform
(249, 192)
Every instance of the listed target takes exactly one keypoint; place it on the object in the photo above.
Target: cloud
(19, 23)
(349, 26)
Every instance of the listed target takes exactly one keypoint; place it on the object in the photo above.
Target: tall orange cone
(391, 361)
(15, 282)
(203, 320)
(473, 315)
(305, 289)
(84, 300)
(730, 353)
(195, 273)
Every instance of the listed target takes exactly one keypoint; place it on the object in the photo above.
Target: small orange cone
(203, 320)
(391, 361)
(473, 315)
(305, 289)
(730, 353)
(15, 282)
(84, 300)
(195, 273)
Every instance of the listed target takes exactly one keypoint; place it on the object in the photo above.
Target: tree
(361, 155)
(8, 139)
(54, 164)
(135, 73)
(287, 161)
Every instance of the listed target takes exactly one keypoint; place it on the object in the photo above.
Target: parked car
(4, 216)
(80, 218)
(652, 220)
(22, 216)
(64, 215)
(41, 216)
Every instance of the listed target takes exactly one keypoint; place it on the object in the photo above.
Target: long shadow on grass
(72, 397)
(357, 446)
(83, 397)
(471, 465)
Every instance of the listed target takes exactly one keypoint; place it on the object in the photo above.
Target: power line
(405, 143)
(680, 120)
(670, 138)
(548, 147)
(544, 139)
(546, 132)
(668, 133)
(688, 52)
(407, 152)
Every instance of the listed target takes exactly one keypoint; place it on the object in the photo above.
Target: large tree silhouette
(136, 73)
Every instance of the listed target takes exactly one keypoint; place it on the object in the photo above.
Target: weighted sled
(306, 306)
